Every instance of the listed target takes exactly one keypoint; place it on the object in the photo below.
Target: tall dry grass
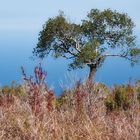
(78, 114)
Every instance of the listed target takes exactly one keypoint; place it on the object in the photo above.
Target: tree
(102, 34)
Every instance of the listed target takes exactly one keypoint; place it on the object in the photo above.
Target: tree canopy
(91, 41)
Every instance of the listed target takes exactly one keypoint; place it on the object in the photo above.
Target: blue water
(16, 50)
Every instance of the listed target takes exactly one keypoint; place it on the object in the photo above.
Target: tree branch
(68, 57)
(97, 61)
(67, 49)
(120, 55)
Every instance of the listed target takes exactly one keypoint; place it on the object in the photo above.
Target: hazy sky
(21, 21)
(30, 15)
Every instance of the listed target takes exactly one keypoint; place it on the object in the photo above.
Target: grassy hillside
(86, 112)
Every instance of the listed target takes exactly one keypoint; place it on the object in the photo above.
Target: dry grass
(79, 114)
(86, 112)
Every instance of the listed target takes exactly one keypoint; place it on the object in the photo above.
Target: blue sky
(21, 21)
(30, 15)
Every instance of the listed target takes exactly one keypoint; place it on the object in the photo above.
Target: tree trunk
(91, 73)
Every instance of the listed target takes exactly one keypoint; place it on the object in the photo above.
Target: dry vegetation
(87, 112)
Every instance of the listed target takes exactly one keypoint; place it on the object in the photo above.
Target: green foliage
(14, 89)
(109, 27)
(87, 53)
(56, 36)
(138, 90)
(60, 101)
(120, 98)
